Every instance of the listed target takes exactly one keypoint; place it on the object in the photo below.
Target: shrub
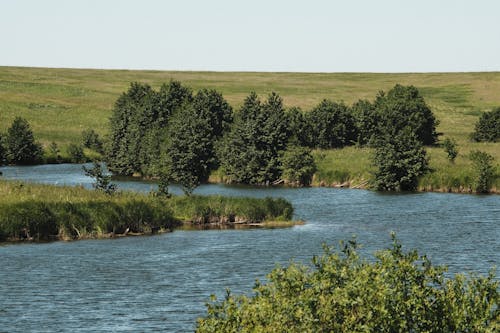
(397, 292)
(450, 147)
(298, 166)
(483, 169)
(488, 127)
(102, 180)
(76, 154)
(400, 161)
(20, 144)
(91, 140)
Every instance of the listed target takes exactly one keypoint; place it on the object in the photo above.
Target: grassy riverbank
(46, 212)
(61, 103)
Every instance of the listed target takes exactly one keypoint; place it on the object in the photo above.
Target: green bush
(401, 160)
(76, 154)
(397, 292)
(488, 126)
(483, 169)
(450, 147)
(91, 140)
(298, 166)
(20, 144)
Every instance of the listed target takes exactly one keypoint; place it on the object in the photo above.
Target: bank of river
(162, 282)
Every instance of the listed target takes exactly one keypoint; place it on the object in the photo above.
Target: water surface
(161, 283)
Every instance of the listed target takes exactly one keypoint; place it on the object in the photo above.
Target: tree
(250, 153)
(401, 107)
(333, 125)
(301, 131)
(367, 121)
(91, 140)
(76, 153)
(484, 170)
(101, 178)
(2, 150)
(189, 151)
(397, 291)
(400, 161)
(298, 166)
(450, 146)
(20, 144)
(488, 126)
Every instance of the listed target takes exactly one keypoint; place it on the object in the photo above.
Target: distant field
(60, 103)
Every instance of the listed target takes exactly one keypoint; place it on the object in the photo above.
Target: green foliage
(2, 150)
(249, 154)
(101, 178)
(401, 107)
(488, 126)
(301, 130)
(450, 147)
(76, 154)
(333, 125)
(20, 144)
(91, 140)
(367, 121)
(400, 160)
(298, 166)
(190, 153)
(55, 212)
(342, 292)
(483, 169)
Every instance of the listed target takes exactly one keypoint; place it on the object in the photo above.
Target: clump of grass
(46, 212)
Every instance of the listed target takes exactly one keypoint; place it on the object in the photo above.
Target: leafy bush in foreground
(398, 292)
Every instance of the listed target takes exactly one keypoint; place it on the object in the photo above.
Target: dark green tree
(298, 166)
(400, 160)
(102, 180)
(450, 147)
(2, 150)
(91, 140)
(300, 129)
(76, 153)
(189, 150)
(396, 291)
(250, 153)
(484, 170)
(123, 151)
(488, 127)
(20, 144)
(366, 121)
(401, 107)
(333, 125)
(210, 105)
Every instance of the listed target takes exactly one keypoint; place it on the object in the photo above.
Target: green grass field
(60, 103)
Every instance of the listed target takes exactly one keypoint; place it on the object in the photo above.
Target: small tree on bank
(20, 144)
(101, 178)
(400, 161)
(298, 166)
(483, 169)
(450, 147)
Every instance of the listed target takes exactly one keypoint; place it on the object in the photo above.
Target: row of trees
(181, 136)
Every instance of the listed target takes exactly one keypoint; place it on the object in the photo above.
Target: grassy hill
(60, 103)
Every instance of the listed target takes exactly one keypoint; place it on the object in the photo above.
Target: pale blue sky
(254, 35)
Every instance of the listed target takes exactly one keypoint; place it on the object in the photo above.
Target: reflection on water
(162, 282)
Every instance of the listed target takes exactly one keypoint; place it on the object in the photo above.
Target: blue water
(161, 283)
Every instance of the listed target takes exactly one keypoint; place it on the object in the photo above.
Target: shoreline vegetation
(62, 104)
(40, 212)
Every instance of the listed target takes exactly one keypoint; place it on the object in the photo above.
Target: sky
(253, 35)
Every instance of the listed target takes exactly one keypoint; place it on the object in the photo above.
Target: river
(161, 283)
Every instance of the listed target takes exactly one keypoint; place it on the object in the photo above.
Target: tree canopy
(20, 144)
(398, 291)
(487, 127)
